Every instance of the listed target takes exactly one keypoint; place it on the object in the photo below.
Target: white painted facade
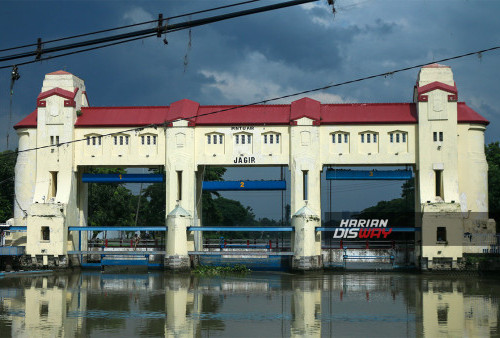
(50, 194)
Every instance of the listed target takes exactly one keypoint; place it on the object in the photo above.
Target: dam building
(440, 138)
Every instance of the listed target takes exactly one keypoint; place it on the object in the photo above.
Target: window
(346, 138)
(209, 138)
(333, 138)
(435, 136)
(439, 183)
(220, 139)
(148, 139)
(339, 138)
(57, 139)
(391, 137)
(115, 138)
(304, 184)
(142, 139)
(93, 140)
(441, 234)
(271, 139)
(52, 140)
(397, 138)
(250, 139)
(100, 138)
(277, 138)
(154, 139)
(404, 137)
(374, 138)
(121, 140)
(242, 139)
(215, 139)
(53, 184)
(45, 234)
(440, 136)
(265, 138)
(237, 139)
(362, 138)
(367, 138)
(179, 185)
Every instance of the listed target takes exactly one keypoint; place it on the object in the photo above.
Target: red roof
(368, 113)
(329, 114)
(59, 72)
(121, 116)
(249, 115)
(466, 114)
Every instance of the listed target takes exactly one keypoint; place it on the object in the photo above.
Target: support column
(177, 257)
(306, 255)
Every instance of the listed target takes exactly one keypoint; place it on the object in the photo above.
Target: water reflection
(262, 304)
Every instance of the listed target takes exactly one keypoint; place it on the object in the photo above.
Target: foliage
(7, 165)
(110, 204)
(492, 151)
(208, 270)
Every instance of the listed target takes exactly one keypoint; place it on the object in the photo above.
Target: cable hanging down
(164, 124)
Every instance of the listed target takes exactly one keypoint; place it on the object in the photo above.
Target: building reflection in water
(158, 304)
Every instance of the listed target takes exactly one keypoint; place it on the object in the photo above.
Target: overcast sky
(263, 56)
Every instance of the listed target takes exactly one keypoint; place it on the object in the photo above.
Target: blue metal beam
(122, 178)
(117, 228)
(393, 229)
(240, 228)
(343, 174)
(243, 185)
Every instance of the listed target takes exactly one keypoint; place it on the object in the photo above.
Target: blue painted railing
(343, 174)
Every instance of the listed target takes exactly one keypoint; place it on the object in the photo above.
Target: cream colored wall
(226, 154)
(381, 153)
(109, 154)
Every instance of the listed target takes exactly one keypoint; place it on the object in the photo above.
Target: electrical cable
(156, 30)
(156, 125)
(129, 26)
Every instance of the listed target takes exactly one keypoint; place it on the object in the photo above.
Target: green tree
(492, 151)
(110, 204)
(7, 165)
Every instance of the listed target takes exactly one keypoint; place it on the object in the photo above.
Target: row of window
(247, 139)
(243, 139)
(398, 137)
(117, 140)
(368, 137)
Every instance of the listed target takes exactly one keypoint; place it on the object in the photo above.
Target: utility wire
(129, 26)
(156, 125)
(157, 30)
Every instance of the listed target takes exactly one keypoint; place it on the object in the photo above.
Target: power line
(129, 26)
(156, 125)
(161, 29)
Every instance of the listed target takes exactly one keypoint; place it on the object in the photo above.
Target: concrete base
(177, 263)
(45, 261)
(307, 263)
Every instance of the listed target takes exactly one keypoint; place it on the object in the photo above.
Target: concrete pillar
(437, 163)
(307, 241)
(54, 205)
(177, 257)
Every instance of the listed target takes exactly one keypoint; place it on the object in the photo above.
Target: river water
(260, 304)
